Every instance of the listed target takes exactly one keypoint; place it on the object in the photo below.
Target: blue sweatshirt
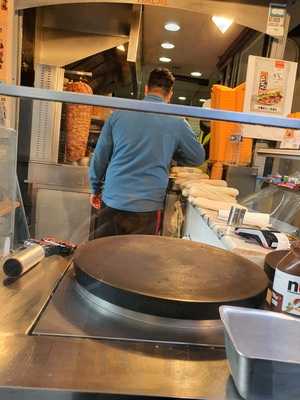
(133, 155)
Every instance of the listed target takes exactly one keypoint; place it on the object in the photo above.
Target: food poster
(290, 139)
(5, 65)
(269, 91)
(4, 20)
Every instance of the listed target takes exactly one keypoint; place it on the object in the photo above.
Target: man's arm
(189, 150)
(101, 157)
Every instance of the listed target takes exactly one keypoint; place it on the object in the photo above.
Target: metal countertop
(44, 367)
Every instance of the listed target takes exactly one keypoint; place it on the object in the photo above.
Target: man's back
(137, 175)
(138, 148)
(141, 147)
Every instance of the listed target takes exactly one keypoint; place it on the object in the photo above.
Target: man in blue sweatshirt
(133, 156)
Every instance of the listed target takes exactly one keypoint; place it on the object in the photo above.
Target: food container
(271, 261)
(263, 350)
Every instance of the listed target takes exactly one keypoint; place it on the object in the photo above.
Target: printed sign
(286, 293)
(276, 19)
(291, 139)
(269, 91)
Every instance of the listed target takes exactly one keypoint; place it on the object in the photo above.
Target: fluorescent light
(222, 23)
(165, 59)
(182, 98)
(202, 100)
(196, 74)
(167, 45)
(121, 47)
(172, 26)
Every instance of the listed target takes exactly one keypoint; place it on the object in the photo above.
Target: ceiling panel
(198, 44)
(104, 19)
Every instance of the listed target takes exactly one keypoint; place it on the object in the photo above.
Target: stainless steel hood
(93, 32)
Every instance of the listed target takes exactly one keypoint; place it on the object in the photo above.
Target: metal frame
(145, 106)
(286, 154)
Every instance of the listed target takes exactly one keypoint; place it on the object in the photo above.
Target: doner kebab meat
(78, 121)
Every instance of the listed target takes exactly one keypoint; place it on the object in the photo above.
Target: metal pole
(151, 107)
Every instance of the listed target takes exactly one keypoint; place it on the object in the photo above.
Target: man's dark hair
(161, 78)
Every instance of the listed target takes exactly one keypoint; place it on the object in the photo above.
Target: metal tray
(263, 350)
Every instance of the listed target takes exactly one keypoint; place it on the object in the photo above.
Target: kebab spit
(78, 121)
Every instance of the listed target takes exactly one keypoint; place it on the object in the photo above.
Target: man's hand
(95, 201)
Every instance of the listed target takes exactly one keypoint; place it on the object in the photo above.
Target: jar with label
(286, 286)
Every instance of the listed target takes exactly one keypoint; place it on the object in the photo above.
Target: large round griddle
(168, 277)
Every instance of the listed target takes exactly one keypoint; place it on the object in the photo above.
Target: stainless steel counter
(35, 367)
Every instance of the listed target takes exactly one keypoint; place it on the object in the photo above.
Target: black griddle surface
(168, 277)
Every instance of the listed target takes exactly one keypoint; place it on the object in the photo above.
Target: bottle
(286, 286)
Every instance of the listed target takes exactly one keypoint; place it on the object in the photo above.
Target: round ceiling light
(172, 27)
(165, 59)
(182, 98)
(196, 74)
(167, 45)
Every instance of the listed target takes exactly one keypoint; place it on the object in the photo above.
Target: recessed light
(172, 26)
(121, 47)
(165, 59)
(196, 74)
(182, 98)
(222, 23)
(167, 45)
(202, 100)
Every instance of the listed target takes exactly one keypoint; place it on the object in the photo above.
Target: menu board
(269, 91)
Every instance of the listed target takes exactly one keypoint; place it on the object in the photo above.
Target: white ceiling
(198, 44)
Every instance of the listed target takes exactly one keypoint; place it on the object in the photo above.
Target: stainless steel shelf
(280, 153)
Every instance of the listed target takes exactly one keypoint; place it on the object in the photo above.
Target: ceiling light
(165, 59)
(121, 47)
(222, 23)
(131, 93)
(196, 74)
(172, 26)
(167, 45)
(202, 100)
(182, 98)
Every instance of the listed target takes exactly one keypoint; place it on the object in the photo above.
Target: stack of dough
(186, 174)
(203, 192)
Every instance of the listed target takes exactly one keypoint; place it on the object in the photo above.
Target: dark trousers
(111, 222)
